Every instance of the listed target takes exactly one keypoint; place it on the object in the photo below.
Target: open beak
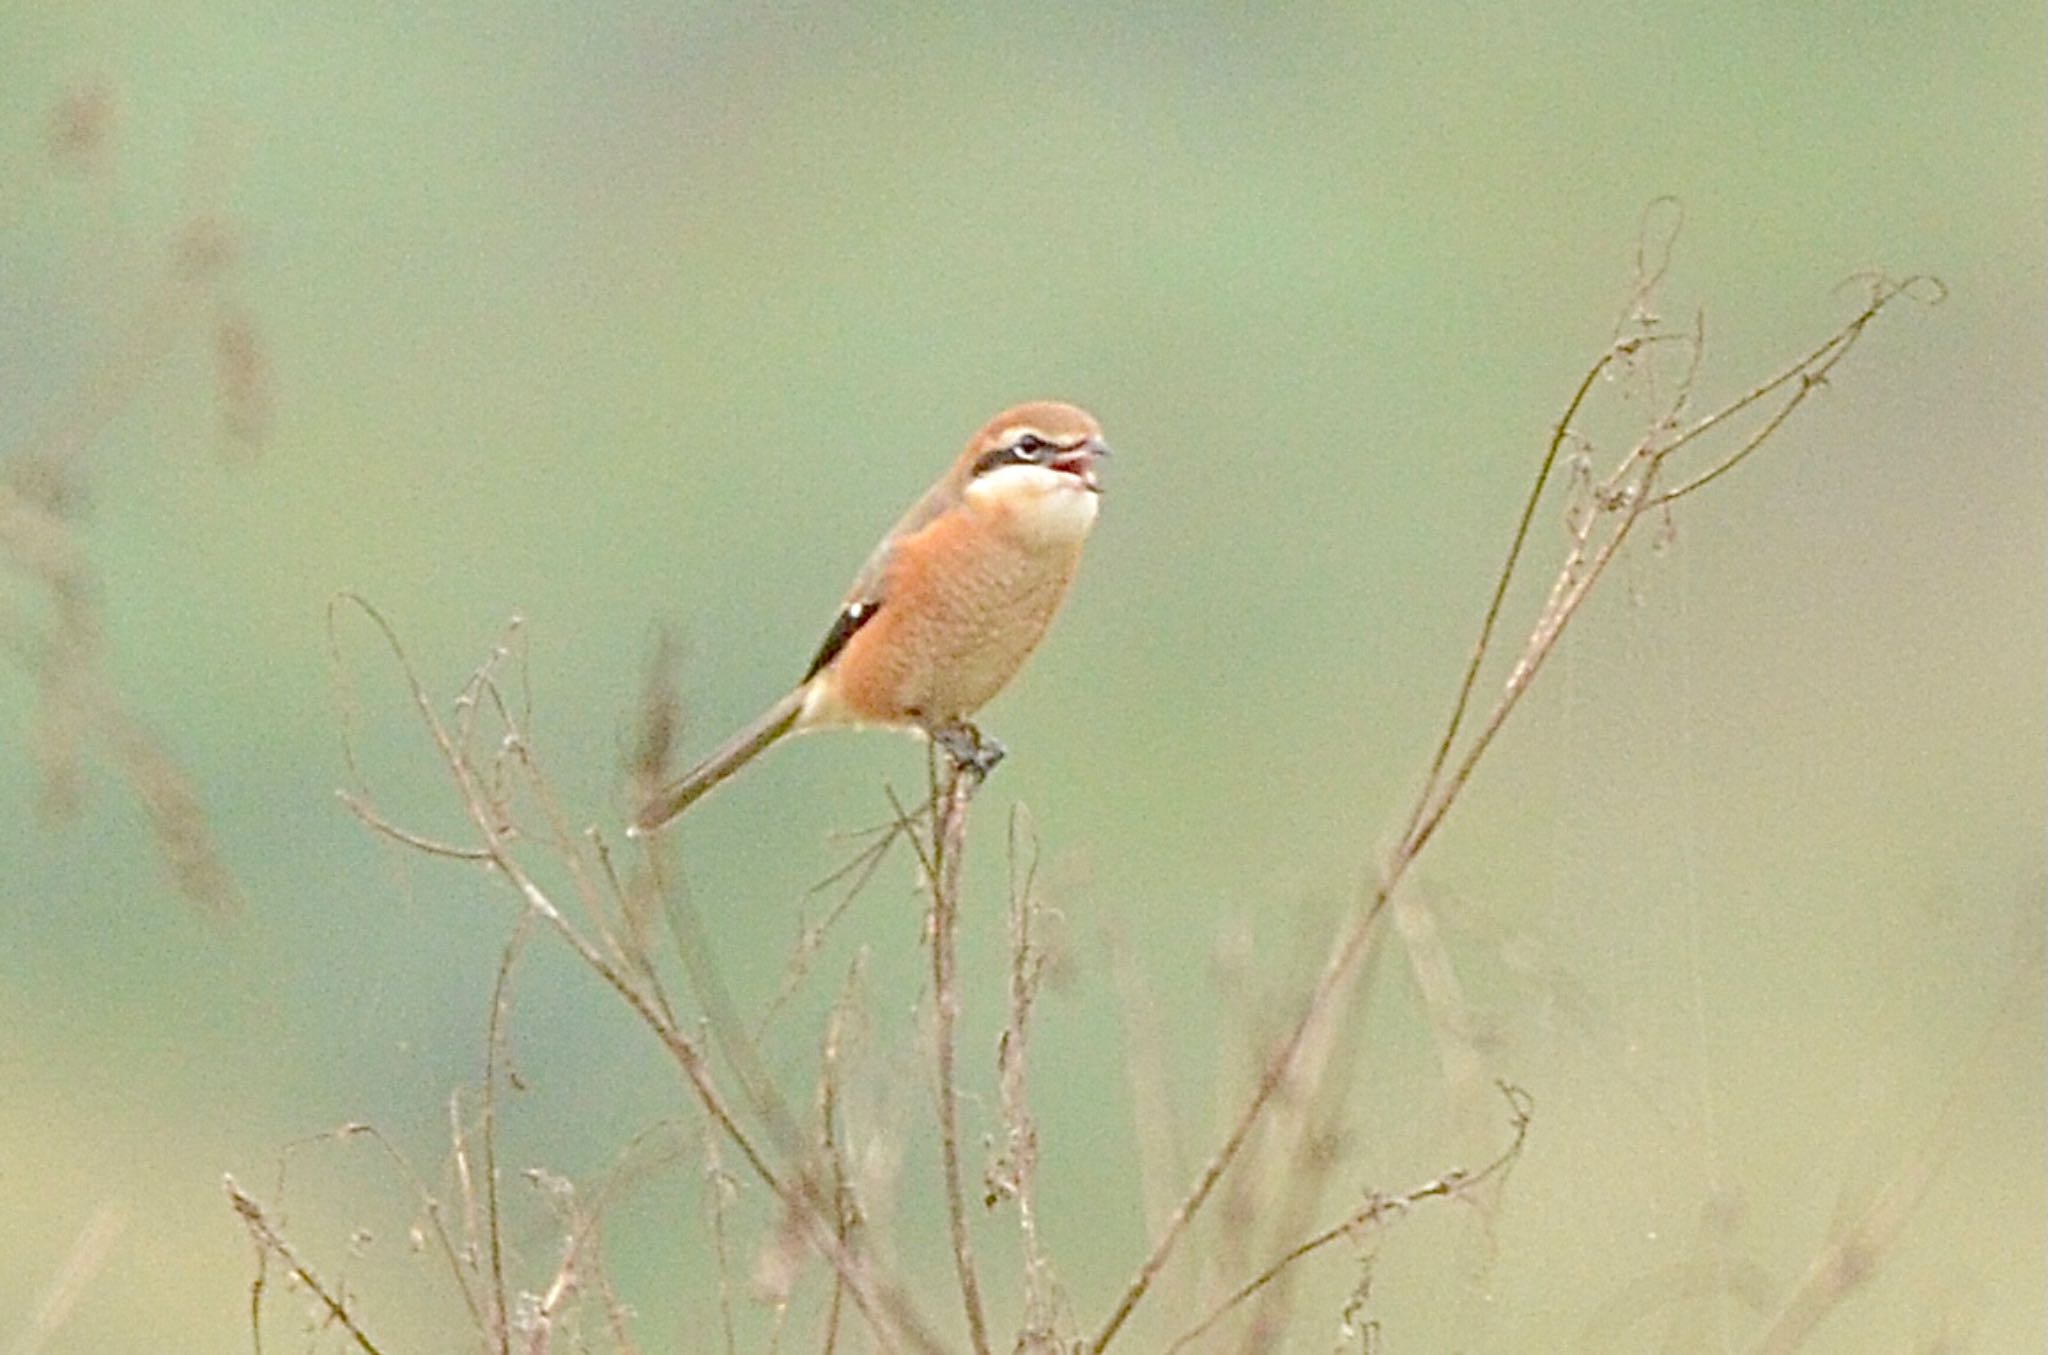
(1080, 462)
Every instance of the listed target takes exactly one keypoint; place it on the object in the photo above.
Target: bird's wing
(851, 618)
(870, 587)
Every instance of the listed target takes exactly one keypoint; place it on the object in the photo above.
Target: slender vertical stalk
(949, 846)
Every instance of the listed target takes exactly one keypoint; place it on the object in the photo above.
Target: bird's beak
(1080, 462)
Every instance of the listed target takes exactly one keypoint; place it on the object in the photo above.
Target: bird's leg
(972, 751)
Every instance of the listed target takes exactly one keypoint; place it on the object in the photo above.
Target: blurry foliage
(51, 617)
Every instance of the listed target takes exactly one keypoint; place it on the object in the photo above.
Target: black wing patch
(851, 618)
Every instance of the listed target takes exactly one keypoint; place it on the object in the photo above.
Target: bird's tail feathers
(734, 754)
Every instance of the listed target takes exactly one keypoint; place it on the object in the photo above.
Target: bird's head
(1042, 447)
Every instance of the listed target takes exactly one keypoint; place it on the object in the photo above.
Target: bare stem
(887, 1310)
(1500, 588)
(949, 848)
(1450, 1185)
(846, 1211)
(1619, 502)
(1017, 1174)
(270, 1242)
(494, 1058)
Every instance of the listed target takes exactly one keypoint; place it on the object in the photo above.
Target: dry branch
(483, 792)
(1617, 504)
(948, 849)
(1015, 1174)
(521, 835)
(1377, 1209)
(269, 1242)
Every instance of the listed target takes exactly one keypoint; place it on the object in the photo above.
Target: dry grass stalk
(270, 1243)
(490, 791)
(1375, 1213)
(721, 1193)
(1860, 1241)
(1295, 1110)
(950, 801)
(1307, 1140)
(1632, 489)
(1240, 1057)
(855, 874)
(1158, 1135)
(57, 641)
(1014, 1174)
(462, 1259)
(500, 1330)
(831, 1141)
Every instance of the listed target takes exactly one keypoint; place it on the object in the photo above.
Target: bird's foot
(973, 752)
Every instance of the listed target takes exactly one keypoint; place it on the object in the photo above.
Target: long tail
(736, 753)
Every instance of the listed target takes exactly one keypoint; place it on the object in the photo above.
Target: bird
(948, 606)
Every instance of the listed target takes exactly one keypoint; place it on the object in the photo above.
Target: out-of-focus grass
(609, 317)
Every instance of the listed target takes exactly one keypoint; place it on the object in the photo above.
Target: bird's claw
(973, 752)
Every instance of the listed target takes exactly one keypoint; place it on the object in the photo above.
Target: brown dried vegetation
(814, 1188)
(51, 611)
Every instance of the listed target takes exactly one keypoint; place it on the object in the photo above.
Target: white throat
(1043, 504)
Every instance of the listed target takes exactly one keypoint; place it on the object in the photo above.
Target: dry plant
(812, 1187)
(51, 610)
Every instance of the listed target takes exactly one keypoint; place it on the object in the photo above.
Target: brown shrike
(948, 606)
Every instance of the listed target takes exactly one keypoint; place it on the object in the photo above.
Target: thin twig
(888, 1311)
(430, 1206)
(1631, 492)
(1156, 1128)
(405, 836)
(270, 1242)
(539, 1312)
(831, 1138)
(1017, 1173)
(487, 1314)
(861, 867)
(581, 1268)
(1506, 576)
(494, 1049)
(1451, 1185)
(719, 1186)
(630, 900)
(1271, 1077)
(1312, 1143)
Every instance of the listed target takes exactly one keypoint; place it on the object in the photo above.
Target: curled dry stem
(1377, 1209)
(1622, 500)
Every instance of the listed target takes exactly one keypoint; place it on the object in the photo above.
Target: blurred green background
(622, 315)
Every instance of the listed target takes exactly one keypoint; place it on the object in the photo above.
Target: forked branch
(1597, 528)
(1375, 1212)
(890, 1314)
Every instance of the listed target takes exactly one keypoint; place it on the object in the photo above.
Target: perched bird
(948, 606)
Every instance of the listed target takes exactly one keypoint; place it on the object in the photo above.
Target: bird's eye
(1030, 447)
